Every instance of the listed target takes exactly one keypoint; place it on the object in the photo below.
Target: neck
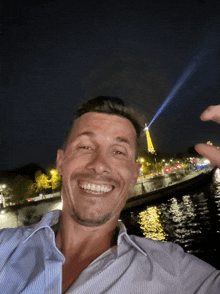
(73, 238)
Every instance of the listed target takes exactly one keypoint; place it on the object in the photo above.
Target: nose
(99, 163)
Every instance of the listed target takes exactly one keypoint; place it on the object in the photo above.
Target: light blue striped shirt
(30, 263)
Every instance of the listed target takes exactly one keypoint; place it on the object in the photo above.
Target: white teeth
(97, 188)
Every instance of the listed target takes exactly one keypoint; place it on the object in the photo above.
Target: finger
(210, 152)
(211, 113)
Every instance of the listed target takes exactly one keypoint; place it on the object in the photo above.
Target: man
(85, 249)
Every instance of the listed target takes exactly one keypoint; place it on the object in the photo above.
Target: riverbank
(193, 181)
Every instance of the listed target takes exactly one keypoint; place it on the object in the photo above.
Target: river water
(192, 221)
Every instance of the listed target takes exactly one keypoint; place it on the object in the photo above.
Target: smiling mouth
(94, 188)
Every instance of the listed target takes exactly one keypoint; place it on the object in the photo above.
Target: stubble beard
(90, 222)
(78, 215)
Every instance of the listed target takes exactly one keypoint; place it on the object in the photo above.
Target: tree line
(21, 187)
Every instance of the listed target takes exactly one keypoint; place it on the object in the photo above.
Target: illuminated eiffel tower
(149, 141)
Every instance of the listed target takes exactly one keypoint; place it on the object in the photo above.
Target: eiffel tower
(149, 141)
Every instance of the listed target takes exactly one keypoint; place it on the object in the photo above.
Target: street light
(53, 172)
(141, 159)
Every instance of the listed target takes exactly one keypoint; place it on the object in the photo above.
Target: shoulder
(149, 245)
(10, 240)
(158, 249)
(194, 275)
(12, 243)
(165, 253)
(9, 234)
(22, 233)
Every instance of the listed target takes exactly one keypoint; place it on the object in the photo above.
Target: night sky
(55, 55)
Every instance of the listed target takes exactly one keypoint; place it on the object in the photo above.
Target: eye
(118, 152)
(85, 147)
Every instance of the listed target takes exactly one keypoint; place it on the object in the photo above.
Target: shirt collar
(49, 220)
(123, 236)
(52, 218)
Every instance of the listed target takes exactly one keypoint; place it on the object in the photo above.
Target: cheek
(74, 161)
(127, 173)
(71, 167)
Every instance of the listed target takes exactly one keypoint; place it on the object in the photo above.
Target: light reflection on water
(192, 221)
(151, 225)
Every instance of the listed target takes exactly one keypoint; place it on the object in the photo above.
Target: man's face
(98, 167)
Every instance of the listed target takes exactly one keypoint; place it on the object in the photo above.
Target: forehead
(106, 124)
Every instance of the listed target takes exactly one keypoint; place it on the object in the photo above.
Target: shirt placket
(53, 277)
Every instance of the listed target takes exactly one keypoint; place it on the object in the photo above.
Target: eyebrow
(89, 134)
(123, 140)
(92, 135)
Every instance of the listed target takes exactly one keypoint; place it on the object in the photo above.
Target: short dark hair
(113, 106)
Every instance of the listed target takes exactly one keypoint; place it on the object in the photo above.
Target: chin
(92, 222)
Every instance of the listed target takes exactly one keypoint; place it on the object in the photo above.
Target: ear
(137, 172)
(60, 153)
